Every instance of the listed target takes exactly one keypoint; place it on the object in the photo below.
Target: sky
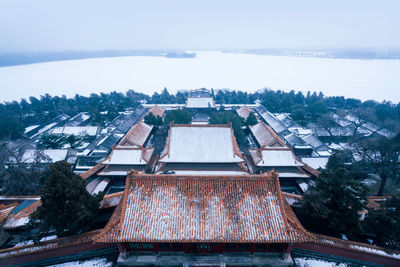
(48, 25)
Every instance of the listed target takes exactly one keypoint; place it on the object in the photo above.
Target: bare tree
(380, 155)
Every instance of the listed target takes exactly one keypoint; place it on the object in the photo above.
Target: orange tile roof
(21, 218)
(173, 208)
(157, 111)
(49, 245)
(5, 210)
(111, 200)
(265, 136)
(137, 135)
(93, 170)
(356, 246)
(243, 112)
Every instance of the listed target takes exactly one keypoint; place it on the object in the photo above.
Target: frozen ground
(365, 79)
(309, 262)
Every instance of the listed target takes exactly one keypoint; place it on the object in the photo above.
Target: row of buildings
(201, 197)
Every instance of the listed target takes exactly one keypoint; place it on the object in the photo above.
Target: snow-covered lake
(365, 79)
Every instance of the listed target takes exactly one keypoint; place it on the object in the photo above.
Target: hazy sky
(45, 25)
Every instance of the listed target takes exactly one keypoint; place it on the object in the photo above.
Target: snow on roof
(137, 135)
(300, 130)
(111, 200)
(243, 112)
(247, 209)
(324, 153)
(265, 136)
(21, 218)
(45, 128)
(157, 111)
(78, 119)
(100, 187)
(316, 162)
(30, 128)
(200, 102)
(313, 141)
(278, 158)
(201, 144)
(286, 120)
(213, 172)
(76, 130)
(355, 246)
(293, 139)
(271, 120)
(125, 157)
(44, 156)
(5, 210)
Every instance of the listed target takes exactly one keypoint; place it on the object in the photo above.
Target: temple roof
(137, 135)
(243, 112)
(265, 136)
(274, 157)
(134, 156)
(19, 218)
(5, 210)
(201, 144)
(157, 111)
(226, 209)
(200, 102)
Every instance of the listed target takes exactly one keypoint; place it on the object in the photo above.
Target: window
(134, 245)
(147, 246)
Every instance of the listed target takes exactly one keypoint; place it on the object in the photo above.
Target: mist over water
(365, 79)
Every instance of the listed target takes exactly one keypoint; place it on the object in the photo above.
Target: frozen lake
(365, 79)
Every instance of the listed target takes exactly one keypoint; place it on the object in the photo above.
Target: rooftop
(201, 144)
(157, 111)
(76, 130)
(169, 208)
(127, 157)
(243, 112)
(200, 102)
(275, 158)
(137, 135)
(44, 156)
(265, 136)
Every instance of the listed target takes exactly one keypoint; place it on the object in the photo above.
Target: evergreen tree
(383, 223)
(74, 141)
(251, 119)
(332, 206)
(66, 207)
(10, 128)
(51, 141)
(150, 119)
(179, 116)
(226, 116)
(17, 177)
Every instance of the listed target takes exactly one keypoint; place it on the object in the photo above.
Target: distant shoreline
(16, 59)
(356, 78)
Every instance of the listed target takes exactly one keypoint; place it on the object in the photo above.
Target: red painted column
(123, 247)
(287, 250)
